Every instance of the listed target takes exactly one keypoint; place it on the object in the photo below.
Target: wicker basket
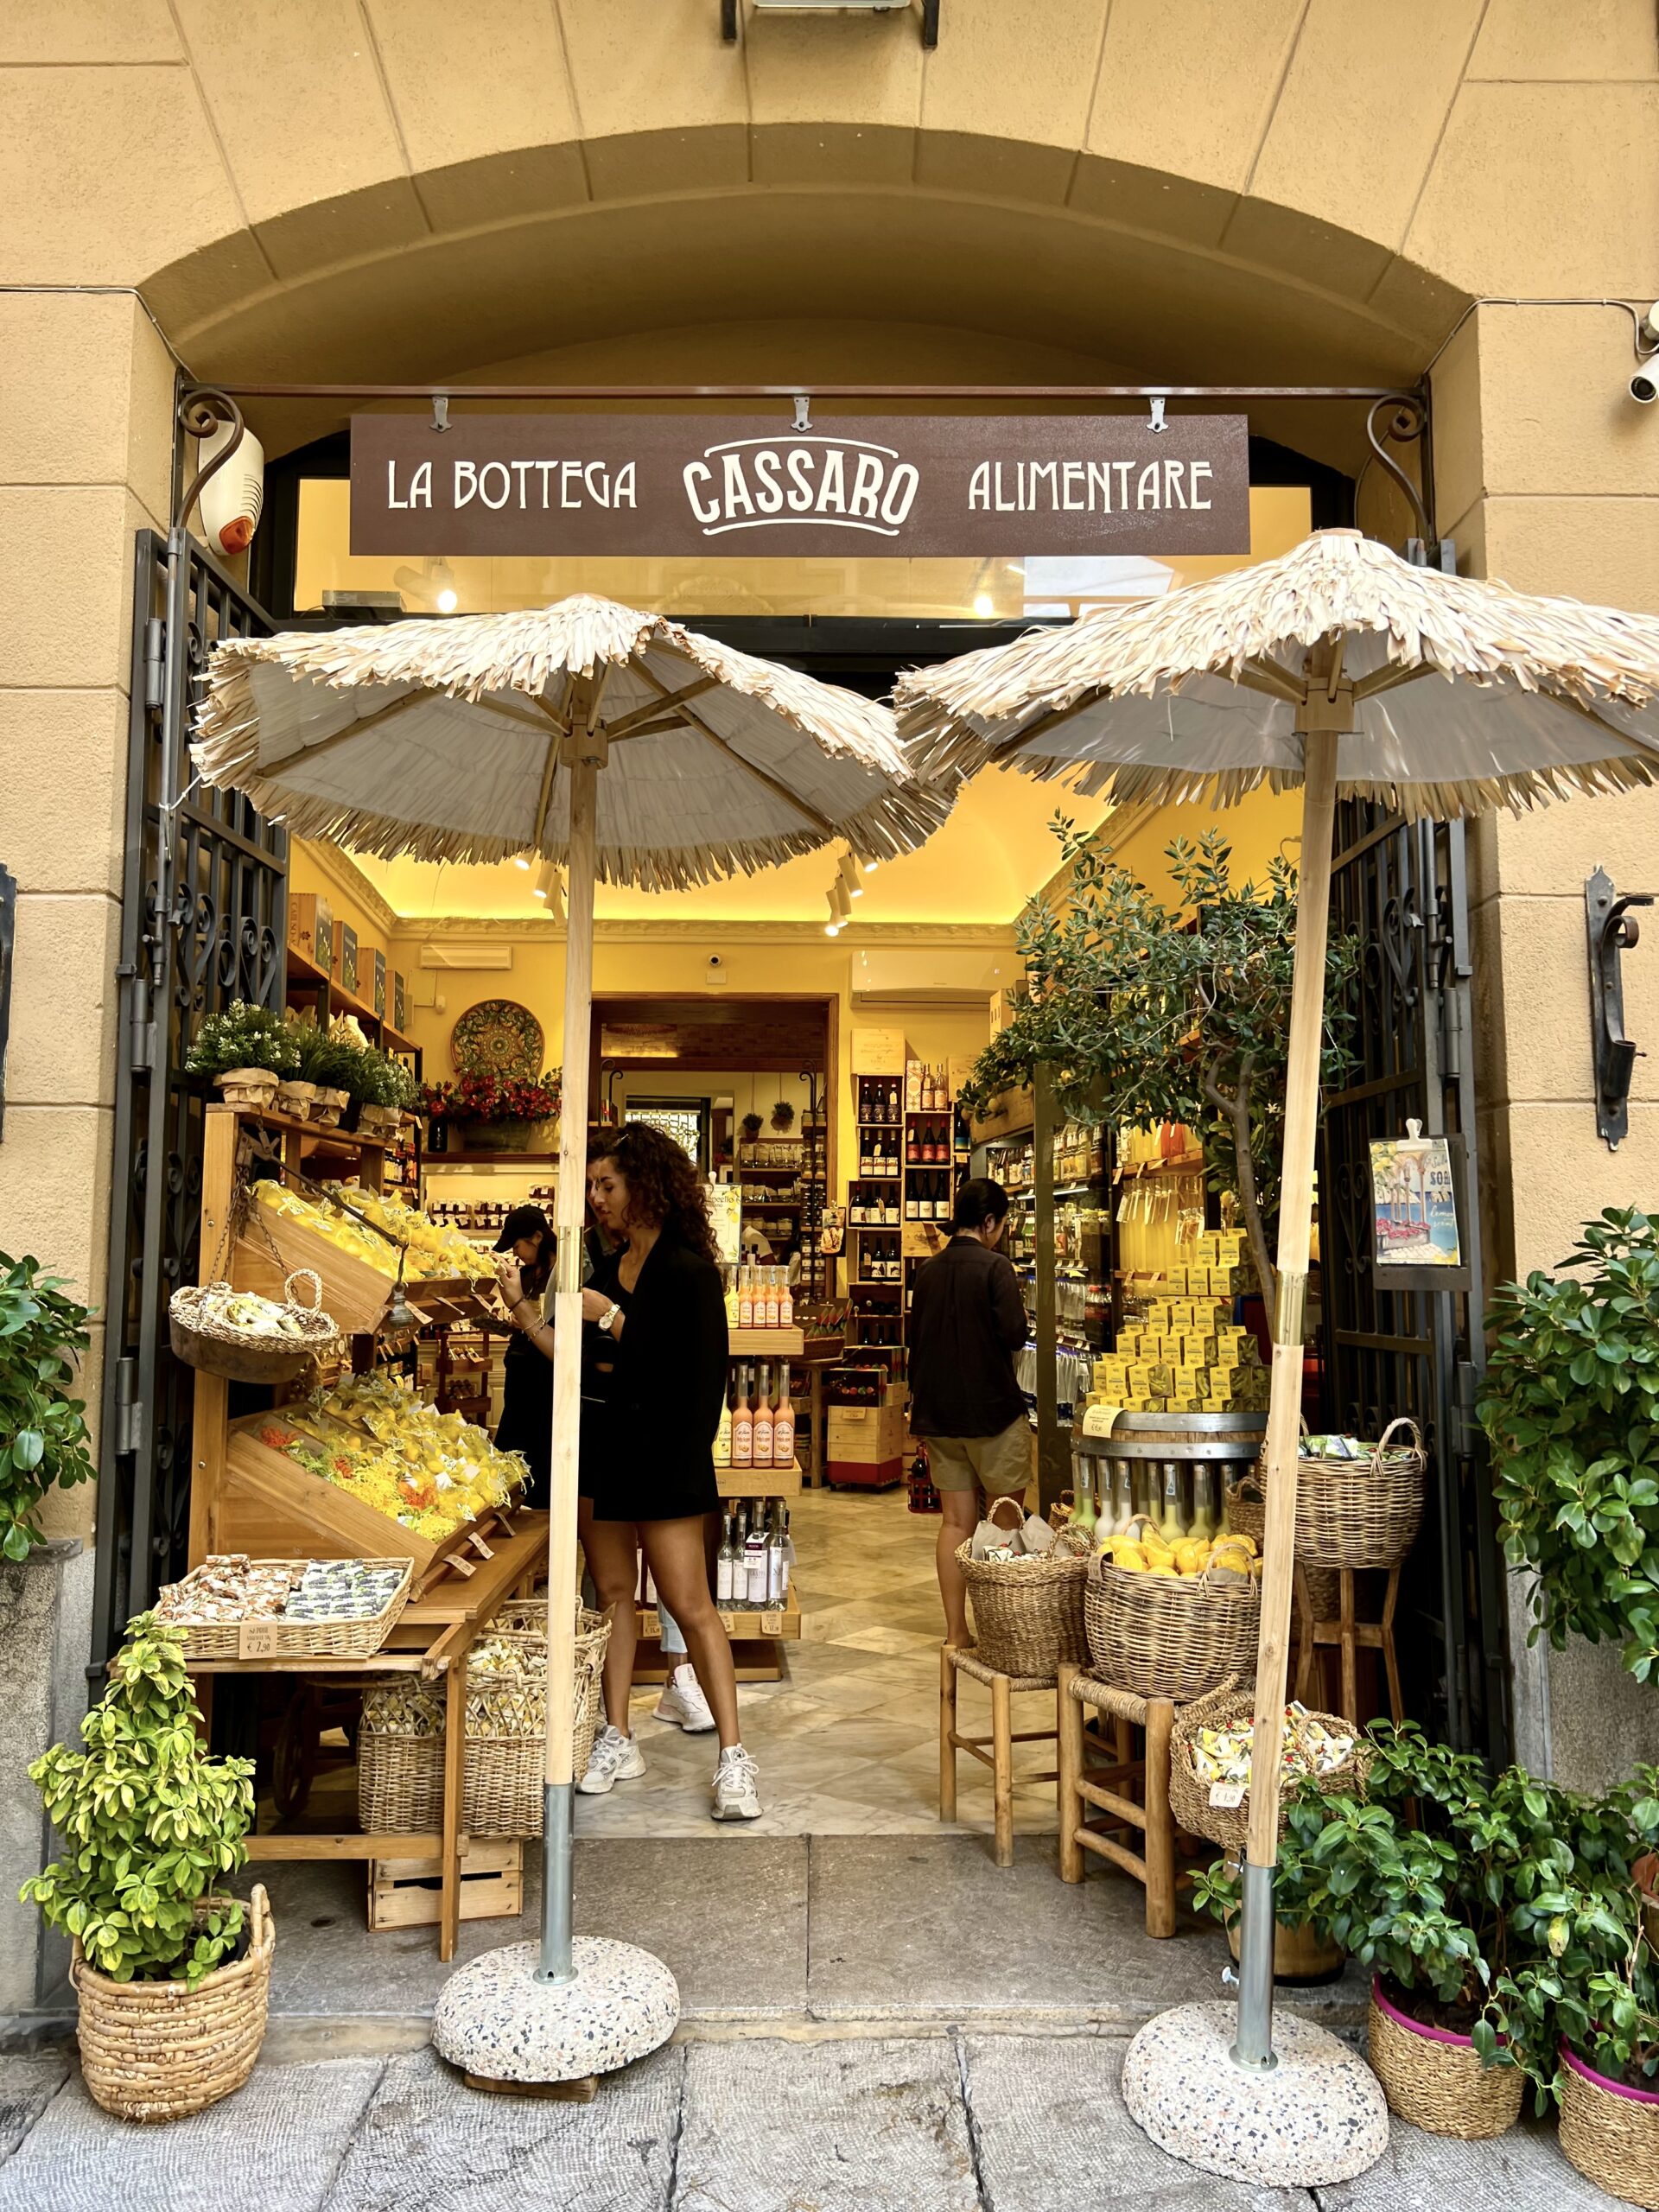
(1362, 1513)
(1027, 1613)
(400, 1778)
(1169, 1636)
(1435, 2079)
(1189, 1797)
(1610, 2133)
(159, 2049)
(285, 1639)
(237, 1355)
(1246, 1505)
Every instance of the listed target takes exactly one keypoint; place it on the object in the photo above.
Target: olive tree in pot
(43, 1441)
(1144, 1013)
(1571, 1406)
(172, 1976)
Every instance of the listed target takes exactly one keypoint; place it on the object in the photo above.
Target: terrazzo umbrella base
(1318, 2116)
(500, 2024)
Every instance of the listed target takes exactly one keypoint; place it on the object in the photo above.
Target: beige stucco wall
(1203, 190)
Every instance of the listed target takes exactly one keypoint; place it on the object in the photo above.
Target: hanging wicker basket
(1170, 1636)
(159, 2049)
(204, 1340)
(1027, 1613)
(1610, 2132)
(1362, 1513)
(1435, 2079)
(1188, 1796)
(400, 1776)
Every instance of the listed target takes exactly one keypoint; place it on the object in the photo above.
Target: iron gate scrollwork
(204, 922)
(1401, 889)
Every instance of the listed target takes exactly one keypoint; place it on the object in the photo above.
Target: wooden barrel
(1226, 1445)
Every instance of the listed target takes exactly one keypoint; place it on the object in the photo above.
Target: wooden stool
(1110, 1790)
(1349, 1637)
(1000, 1758)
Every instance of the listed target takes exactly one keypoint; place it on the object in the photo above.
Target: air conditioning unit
(930, 9)
(480, 955)
(935, 976)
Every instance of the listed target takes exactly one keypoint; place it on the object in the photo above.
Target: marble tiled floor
(848, 1742)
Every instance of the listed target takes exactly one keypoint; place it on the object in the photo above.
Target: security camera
(1645, 384)
(714, 960)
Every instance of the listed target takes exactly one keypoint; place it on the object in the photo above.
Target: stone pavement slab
(430, 2143)
(27, 2087)
(275, 2146)
(852, 2127)
(918, 1926)
(1518, 2172)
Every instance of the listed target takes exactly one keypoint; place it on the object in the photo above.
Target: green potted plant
(246, 1051)
(172, 1976)
(783, 1116)
(750, 1126)
(1450, 1908)
(43, 1441)
(1571, 1406)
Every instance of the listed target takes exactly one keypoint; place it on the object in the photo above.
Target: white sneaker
(736, 1797)
(615, 1758)
(684, 1703)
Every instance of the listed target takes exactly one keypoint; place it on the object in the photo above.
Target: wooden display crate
(758, 1482)
(767, 1344)
(355, 1294)
(785, 1621)
(264, 1499)
(407, 1892)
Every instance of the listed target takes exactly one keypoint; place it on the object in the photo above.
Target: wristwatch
(608, 1319)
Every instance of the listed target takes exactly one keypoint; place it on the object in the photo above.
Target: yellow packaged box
(1169, 1348)
(1199, 1352)
(1157, 1315)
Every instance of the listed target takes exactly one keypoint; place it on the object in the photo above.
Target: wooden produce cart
(247, 1496)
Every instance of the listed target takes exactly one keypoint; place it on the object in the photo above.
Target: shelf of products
(911, 1156)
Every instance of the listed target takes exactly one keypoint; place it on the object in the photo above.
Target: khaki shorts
(1000, 1465)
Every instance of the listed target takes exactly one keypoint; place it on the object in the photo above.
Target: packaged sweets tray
(274, 1637)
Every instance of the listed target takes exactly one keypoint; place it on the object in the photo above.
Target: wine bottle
(788, 1558)
(723, 1433)
(742, 1425)
(785, 1301)
(775, 1559)
(745, 1298)
(755, 1566)
(760, 1433)
(770, 1321)
(783, 1424)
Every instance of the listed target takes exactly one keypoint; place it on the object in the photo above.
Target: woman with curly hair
(652, 1398)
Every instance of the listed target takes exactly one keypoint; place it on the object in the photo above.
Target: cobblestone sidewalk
(935, 2122)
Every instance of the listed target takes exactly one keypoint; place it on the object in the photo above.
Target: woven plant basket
(400, 1778)
(239, 1356)
(1189, 1797)
(1299, 1953)
(355, 1639)
(1247, 1508)
(158, 2049)
(1027, 1613)
(1362, 1513)
(1610, 2133)
(1435, 2079)
(1168, 1636)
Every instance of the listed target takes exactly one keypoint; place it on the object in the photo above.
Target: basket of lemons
(1173, 1616)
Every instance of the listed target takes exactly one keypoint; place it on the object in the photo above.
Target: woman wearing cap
(527, 1378)
(647, 1462)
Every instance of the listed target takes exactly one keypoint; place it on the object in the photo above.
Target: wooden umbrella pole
(582, 754)
(1254, 2044)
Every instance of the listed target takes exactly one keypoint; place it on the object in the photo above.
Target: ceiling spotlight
(522, 860)
(546, 886)
(444, 596)
(841, 904)
(850, 876)
(984, 605)
(447, 602)
(870, 867)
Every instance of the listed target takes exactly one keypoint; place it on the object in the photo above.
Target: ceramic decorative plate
(498, 1037)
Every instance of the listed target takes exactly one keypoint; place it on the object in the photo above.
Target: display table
(433, 1636)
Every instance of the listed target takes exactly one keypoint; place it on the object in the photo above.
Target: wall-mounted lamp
(850, 876)
(1611, 930)
(548, 888)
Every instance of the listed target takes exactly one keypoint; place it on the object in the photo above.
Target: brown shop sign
(899, 486)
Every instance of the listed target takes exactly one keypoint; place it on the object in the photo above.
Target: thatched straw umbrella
(1341, 668)
(618, 744)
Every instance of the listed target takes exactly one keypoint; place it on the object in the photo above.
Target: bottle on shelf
(723, 1433)
(785, 1301)
(725, 1564)
(788, 1558)
(742, 1424)
(745, 1298)
(775, 1558)
(783, 1423)
(1203, 1502)
(729, 1279)
(1171, 1522)
(766, 1317)
(755, 1566)
(760, 1433)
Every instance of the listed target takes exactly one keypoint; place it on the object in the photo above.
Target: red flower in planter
(493, 1098)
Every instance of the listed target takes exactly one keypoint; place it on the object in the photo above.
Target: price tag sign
(1227, 1795)
(771, 1624)
(256, 1639)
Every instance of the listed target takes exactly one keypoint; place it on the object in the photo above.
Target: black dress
(647, 1442)
(527, 1414)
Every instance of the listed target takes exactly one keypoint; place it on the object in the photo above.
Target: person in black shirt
(526, 1378)
(967, 1321)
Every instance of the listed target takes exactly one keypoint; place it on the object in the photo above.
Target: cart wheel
(295, 1761)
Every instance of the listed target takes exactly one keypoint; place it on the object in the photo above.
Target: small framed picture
(1414, 1211)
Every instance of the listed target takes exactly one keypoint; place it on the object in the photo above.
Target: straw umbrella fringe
(1576, 676)
(266, 719)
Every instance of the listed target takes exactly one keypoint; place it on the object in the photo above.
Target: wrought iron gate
(204, 922)
(1402, 888)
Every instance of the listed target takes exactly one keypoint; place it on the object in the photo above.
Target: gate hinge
(129, 1409)
(155, 662)
(1454, 1028)
(135, 1014)
(1466, 1389)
